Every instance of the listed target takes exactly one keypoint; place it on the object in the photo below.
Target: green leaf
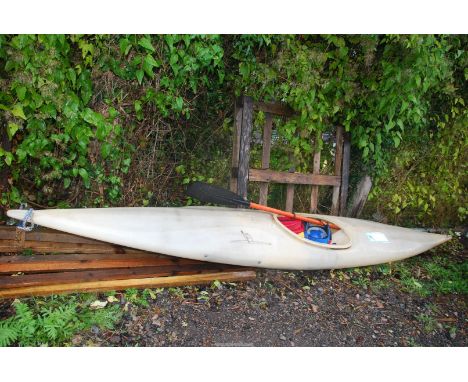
(66, 182)
(90, 116)
(17, 111)
(103, 130)
(145, 42)
(418, 81)
(8, 332)
(138, 110)
(71, 75)
(50, 110)
(139, 75)
(396, 140)
(8, 157)
(152, 61)
(400, 123)
(71, 106)
(389, 125)
(244, 69)
(12, 128)
(178, 104)
(106, 149)
(365, 153)
(125, 46)
(21, 154)
(148, 64)
(85, 176)
(137, 106)
(21, 92)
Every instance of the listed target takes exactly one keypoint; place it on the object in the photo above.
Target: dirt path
(289, 309)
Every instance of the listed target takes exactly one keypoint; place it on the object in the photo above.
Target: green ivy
(81, 110)
(46, 97)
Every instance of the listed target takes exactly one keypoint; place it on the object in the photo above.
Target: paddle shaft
(291, 215)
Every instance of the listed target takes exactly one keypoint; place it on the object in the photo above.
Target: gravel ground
(277, 310)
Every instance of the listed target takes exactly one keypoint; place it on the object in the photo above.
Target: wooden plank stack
(64, 263)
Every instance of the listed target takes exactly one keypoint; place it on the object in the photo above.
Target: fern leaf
(8, 333)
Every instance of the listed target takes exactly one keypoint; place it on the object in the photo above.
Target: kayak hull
(237, 236)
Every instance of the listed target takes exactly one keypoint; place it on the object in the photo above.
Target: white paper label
(377, 236)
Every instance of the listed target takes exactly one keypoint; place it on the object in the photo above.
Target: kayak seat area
(340, 238)
(315, 234)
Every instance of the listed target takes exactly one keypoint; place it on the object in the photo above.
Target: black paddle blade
(208, 193)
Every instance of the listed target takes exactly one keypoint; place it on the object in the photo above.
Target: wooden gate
(241, 172)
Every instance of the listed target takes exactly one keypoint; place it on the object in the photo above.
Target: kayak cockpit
(322, 236)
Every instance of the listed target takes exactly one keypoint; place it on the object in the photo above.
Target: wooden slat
(26, 280)
(289, 197)
(45, 234)
(338, 163)
(316, 170)
(277, 108)
(290, 191)
(53, 247)
(12, 264)
(345, 173)
(151, 282)
(235, 145)
(267, 130)
(257, 175)
(244, 148)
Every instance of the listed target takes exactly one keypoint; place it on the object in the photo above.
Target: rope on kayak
(27, 224)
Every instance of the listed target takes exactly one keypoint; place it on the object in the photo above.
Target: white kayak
(238, 236)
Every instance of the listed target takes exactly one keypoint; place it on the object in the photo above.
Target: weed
(360, 277)
(53, 321)
(149, 294)
(412, 342)
(379, 284)
(177, 292)
(429, 322)
(441, 273)
(452, 331)
(216, 284)
(135, 297)
(27, 252)
(203, 296)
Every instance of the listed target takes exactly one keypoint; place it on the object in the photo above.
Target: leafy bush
(59, 141)
(81, 111)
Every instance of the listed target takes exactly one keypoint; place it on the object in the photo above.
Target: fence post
(244, 146)
(345, 173)
(236, 143)
(338, 162)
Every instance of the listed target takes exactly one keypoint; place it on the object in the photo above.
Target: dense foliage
(127, 120)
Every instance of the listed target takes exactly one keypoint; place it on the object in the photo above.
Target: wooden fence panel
(241, 173)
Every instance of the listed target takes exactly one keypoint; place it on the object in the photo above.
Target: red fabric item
(292, 224)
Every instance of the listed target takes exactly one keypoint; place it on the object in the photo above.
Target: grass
(429, 323)
(441, 272)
